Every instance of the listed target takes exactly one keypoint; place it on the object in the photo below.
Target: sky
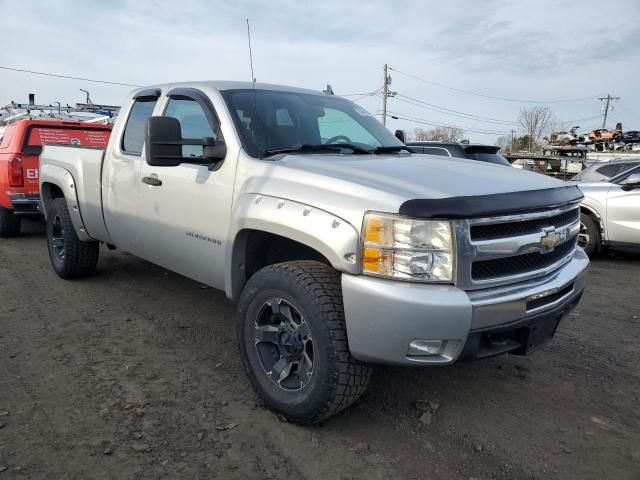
(565, 52)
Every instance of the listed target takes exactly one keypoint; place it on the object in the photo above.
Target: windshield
(269, 121)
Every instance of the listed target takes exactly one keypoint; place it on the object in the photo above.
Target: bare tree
(443, 134)
(504, 143)
(536, 122)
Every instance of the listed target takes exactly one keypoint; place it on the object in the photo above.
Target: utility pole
(609, 99)
(512, 139)
(385, 92)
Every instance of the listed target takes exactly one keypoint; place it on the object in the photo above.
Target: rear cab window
(133, 135)
(6, 136)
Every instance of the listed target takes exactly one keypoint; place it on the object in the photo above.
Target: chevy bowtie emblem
(549, 241)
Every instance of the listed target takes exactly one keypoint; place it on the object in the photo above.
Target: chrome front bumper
(383, 317)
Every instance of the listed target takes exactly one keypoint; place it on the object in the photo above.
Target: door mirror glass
(400, 135)
(163, 142)
(631, 182)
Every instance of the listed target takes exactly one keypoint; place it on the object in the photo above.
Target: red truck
(20, 147)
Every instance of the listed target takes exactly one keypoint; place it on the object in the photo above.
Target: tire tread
(351, 377)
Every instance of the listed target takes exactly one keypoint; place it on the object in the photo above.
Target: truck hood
(349, 185)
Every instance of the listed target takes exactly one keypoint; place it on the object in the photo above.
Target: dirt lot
(134, 374)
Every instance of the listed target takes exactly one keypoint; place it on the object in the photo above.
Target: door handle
(154, 181)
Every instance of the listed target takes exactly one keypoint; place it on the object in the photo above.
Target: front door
(623, 215)
(187, 212)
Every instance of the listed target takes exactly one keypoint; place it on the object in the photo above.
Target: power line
(433, 124)
(363, 95)
(449, 111)
(505, 99)
(471, 116)
(629, 111)
(46, 74)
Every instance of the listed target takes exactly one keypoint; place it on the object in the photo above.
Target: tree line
(536, 122)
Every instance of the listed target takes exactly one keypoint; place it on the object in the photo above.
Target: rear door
(121, 176)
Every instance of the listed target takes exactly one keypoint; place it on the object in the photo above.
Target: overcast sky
(528, 50)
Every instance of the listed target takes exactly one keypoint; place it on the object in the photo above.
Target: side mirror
(215, 153)
(163, 142)
(400, 135)
(631, 182)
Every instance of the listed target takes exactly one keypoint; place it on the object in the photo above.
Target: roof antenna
(253, 78)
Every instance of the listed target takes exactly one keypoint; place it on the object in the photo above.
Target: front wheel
(292, 337)
(589, 236)
(70, 257)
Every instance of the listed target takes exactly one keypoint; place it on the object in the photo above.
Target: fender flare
(53, 175)
(333, 237)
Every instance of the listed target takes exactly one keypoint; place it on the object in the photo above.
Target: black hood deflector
(491, 205)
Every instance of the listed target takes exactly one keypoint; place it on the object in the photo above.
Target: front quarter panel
(336, 239)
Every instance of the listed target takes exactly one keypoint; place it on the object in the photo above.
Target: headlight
(402, 248)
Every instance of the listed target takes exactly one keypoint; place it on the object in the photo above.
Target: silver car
(598, 171)
(610, 212)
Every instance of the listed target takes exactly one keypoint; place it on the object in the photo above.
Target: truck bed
(84, 167)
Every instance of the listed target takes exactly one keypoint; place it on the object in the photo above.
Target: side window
(337, 123)
(193, 122)
(609, 170)
(133, 136)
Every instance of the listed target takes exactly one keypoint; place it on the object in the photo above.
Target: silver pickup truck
(340, 247)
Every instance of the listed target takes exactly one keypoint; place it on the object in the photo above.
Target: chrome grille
(507, 249)
(519, 264)
(511, 229)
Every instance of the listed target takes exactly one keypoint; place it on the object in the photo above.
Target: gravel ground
(134, 373)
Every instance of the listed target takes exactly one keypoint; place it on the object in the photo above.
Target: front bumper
(383, 317)
(24, 204)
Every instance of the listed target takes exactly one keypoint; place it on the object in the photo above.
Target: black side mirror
(215, 153)
(400, 135)
(163, 142)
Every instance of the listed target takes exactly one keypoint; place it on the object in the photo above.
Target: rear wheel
(292, 338)
(70, 257)
(589, 236)
(9, 223)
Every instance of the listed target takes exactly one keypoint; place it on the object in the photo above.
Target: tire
(299, 300)
(589, 236)
(9, 223)
(70, 257)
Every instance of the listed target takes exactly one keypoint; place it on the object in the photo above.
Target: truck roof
(231, 85)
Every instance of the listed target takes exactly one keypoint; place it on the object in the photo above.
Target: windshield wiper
(321, 147)
(391, 149)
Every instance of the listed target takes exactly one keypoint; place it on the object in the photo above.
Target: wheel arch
(270, 230)
(593, 213)
(57, 182)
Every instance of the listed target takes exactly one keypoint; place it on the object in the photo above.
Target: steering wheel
(344, 139)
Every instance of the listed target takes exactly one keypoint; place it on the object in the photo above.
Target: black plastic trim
(149, 92)
(203, 100)
(490, 205)
(512, 335)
